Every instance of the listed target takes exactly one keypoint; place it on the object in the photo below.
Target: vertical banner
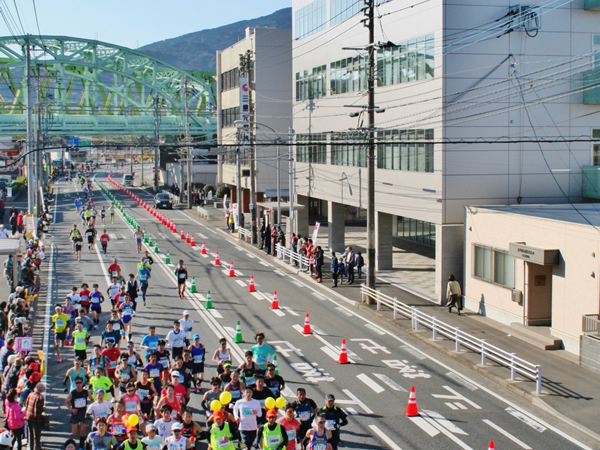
(236, 218)
(315, 233)
(244, 100)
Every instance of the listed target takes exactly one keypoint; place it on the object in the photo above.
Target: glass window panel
(412, 157)
(597, 39)
(412, 60)
(430, 40)
(596, 155)
(388, 156)
(499, 267)
(420, 157)
(403, 68)
(487, 263)
(421, 42)
(429, 64)
(509, 271)
(395, 156)
(412, 45)
(428, 157)
(403, 157)
(421, 65)
(395, 70)
(429, 133)
(478, 261)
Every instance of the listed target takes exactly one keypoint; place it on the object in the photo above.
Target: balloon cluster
(130, 421)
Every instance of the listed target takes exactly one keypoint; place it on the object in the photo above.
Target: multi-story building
(478, 97)
(270, 110)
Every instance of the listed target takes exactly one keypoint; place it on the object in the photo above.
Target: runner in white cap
(187, 325)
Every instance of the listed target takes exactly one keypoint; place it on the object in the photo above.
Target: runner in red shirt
(114, 270)
(131, 400)
(112, 353)
(179, 389)
(104, 242)
(291, 425)
(84, 297)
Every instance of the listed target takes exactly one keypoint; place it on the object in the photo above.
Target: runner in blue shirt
(150, 342)
(143, 276)
(78, 204)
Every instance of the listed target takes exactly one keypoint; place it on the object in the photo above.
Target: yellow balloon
(215, 405)
(225, 397)
(280, 402)
(270, 403)
(133, 420)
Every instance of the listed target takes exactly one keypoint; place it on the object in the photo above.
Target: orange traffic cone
(275, 302)
(182, 235)
(192, 241)
(343, 353)
(492, 447)
(307, 329)
(231, 271)
(217, 259)
(187, 238)
(251, 286)
(203, 251)
(411, 408)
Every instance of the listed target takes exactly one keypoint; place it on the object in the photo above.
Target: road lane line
(215, 313)
(48, 315)
(318, 295)
(264, 263)
(279, 312)
(230, 331)
(526, 420)
(330, 352)
(241, 283)
(280, 273)
(300, 329)
(385, 438)
(391, 383)
(425, 426)
(250, 255)
(438, 418)
(257, 296)
(297, 283)
(507, 434)
(346, 313)
(290, 310)
(357, 401)
(377, 388)
(377, 330)
(461, 381)
(447, 433)
(316, 330)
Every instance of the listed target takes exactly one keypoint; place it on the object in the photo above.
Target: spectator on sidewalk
(360, 262)
(350, 262)
(334, 268)
(20, 223)
(453, 294)
(319, 259)
(12, 221)
(34, 409)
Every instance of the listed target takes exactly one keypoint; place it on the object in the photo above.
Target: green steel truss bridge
(82, 87)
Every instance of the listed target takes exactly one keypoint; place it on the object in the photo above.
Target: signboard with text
(244, 100)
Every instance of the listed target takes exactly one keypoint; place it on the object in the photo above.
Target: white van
(127, 180)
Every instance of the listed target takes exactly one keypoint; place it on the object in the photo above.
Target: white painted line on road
(377, 330)
(241, 283)
(343, 311)
(331, 353)
(48, 314)
(264, 264)
(201, 236)
(318, 331)
(377, 388)
(216, 314)
(112, 236)
(526, 420)
(507, 434)
(447, 433)
(416, 353)
(456, 396)
(318, 295)
(279, 312)
(257, 295)
(366, 409)
(462, 381)
(351, 410)
(279, 272)
(238, 273)
(424, 425)
(300, 329)
(204, 256)
(250, 255)
(384, 437)
(297, 283)
(391, 383)
(451, 406)
(291, 311)
(162, 235)
(287, 392)
(438, 418)
(238, 247)
(230, 331)
(123, 236)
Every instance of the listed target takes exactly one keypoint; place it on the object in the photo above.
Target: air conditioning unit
(517, 296)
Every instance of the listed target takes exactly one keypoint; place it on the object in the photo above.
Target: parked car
(127, 180)
(163, 200)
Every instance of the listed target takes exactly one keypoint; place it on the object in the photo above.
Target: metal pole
(238, 181)
(189, 148)
(278, 187)
(142, 158)
(30, 183)
(291, 179)
(156, 144)
(371, 154)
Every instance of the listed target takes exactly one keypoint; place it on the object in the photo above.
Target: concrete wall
(575, 284)
(589, 356)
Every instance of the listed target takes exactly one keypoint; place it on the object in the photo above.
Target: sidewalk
(568, 390)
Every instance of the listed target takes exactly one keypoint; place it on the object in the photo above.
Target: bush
(222, 191)
(208, 188)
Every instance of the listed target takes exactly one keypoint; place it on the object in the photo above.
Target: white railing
(591, 324)
(439, 328)
(245, 234)
(295, 259)
(203, 212)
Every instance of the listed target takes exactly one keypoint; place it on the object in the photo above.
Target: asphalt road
(459, 409)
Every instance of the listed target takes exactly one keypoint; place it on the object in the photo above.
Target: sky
(130, 23)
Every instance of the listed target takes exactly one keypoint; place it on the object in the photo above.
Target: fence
(591, 324)
(295, 259)
(245, 234)
(203, 212)
(438, 328)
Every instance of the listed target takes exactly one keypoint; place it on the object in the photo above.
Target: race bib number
(319, 447)
(247, 412)
(154, 373)
(273, 440)
(60, 323)
(112, 364)
(144, 393)
(330, 424)
(127, 311)
(291, 435)
(181, 275)
(80, 403)
(116, 326)
(222, 442)
(198, 359)
(131, 406)
(250, 380)
(304, 416)
(79, 341)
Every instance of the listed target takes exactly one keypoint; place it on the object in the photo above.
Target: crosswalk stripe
(377, 388)
(241, 283)
(391, 383)
(279, 312)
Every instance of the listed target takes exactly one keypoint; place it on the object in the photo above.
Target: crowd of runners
(135, 390)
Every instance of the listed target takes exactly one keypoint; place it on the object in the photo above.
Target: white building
(473, 71)
(270, 110)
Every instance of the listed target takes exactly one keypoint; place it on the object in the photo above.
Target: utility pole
(30, 183)
(278, 186)
(291, 175)
(371, 153)
(156, 143)
(188, 141)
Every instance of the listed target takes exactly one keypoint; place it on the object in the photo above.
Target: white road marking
(264, 263)
(347, 313)
(455, 396)
(238, 273)
(451, 406)
(391, 383)
(279, 312)
(384, 437)
(286, 348)
(461, 380)
(238, 247)
(377, 330)
(250, 255)
(162, 235)
(507, 434)
(297, 283)
(201, 236)
(438, 418)
(287, 392)
(112, 236)
(351, 410)
(241, 283)
(317, 330)
(230, 331)
(257, 295)
(448, 434)
(424, 425)
(123, 236)
(526, 420)
(416, 353)
(300, 329)
(319, 296)
(356, 401)
(280, 273)
(215, 313)
(377, 388)
(331, 353)
(204, 256)
(47, 318)
(291, 311)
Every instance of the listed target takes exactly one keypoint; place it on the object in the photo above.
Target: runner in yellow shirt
(61, 322)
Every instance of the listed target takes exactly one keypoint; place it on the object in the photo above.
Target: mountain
(196, 51)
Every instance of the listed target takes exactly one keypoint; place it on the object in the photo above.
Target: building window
(311, 148)
(349, 149)
(494, 266)
(230, 80)
(596, 148)
(229, 116)
(341, 10)
(349, 75)
(311, 18)
(410, 61)
(596, 48)
(413, 156)
(416, 230)
(311, 83)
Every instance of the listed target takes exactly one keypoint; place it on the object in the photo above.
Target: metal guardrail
(460, 338)
(295, 259)
(203, 212)
(245, 234)
(591, 324)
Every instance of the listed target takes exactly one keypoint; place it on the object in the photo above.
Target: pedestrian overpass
(83, 87)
